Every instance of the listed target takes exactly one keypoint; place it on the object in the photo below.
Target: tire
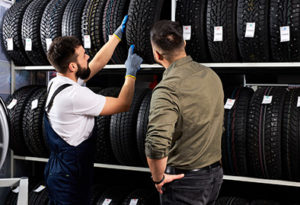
(264, 133)
(104, 153)
(123, 132)
(193, 13)
(144, 197)
(33, 125)
(97, 191)
(52, 21)
(291, 137)
(31, 29)
(71, 21)
(114, 12)
(12, 25)
(116, 194)
(91, 24)
(17, 142)
(253, 49)
(264, 202)
(283, 13)
(225, 200)
(222, 13)
(141, 17)
(141, 128)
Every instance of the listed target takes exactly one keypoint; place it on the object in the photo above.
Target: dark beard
(83, 73)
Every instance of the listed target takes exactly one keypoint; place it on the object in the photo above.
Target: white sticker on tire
(133, 201)
(28, 44)
(106, 202)
(40, 188)
(218, 33)
(10, 44)
(284, 34)
(229, 103)
(34, 104)
(12, 104)
(250, 30)
(187, 32)
(87, 41)
(267, 99)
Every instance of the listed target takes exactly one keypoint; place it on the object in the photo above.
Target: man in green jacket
(183, 143)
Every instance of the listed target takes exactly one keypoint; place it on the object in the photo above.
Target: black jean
(196, 188)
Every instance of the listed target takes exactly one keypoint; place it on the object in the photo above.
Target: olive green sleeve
(163, 116)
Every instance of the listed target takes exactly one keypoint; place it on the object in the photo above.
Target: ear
(72, 67)
(159, 56)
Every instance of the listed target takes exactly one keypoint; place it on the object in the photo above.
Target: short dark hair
(167, 35)
(62, 52)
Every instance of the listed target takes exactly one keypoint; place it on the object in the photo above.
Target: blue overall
(69, 171)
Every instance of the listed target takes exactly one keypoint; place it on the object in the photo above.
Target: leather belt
(174, 170)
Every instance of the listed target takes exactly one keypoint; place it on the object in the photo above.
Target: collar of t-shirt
(68, 80)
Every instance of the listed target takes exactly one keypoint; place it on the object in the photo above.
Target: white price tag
(40, 188)
(12, 104)
(218, 33)
(284, 34)
(34, 104)
(48, 43)
(229, 103)
(10, 44)
(28, 44)
(298, 102)
(106, 202)
(187, 32)
(87, 41)
(250, 30)
(16, 190)
(133, 201)
(267, 99)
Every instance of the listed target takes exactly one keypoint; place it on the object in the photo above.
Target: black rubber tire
(116, 194)
(264, 202)
(33, 125)
(144, 196)
(141, 17)
(235, 133)
(291, 137)
(97, 191)
(193, 13)
(264, 133)
(31, 29)
(226, 200)
(222, 13)
(285, 13)
(114, 12)
(11, 27)
(17, 142)
(141, 127)
(104, 153)
(52, 20)
(253, 49)
(71, 21)
(91, 24)
(123, 132)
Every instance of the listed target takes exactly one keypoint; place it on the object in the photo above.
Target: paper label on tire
(12, 104)
(48, 43)
(133, 201)
(229, 104)
(187, 32)
(87, 41)
(267, 99)
(106, 201)
(284, 34)
(28, 44)
(34, 104)
(298, 102)
(16, 190)
(218, 33)
(40, 188)
(250, 30)
(10, 44)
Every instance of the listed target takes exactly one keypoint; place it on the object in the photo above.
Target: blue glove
(121, 29)
(132, 63)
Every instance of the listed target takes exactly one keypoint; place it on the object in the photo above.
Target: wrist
(130, 76)
(158, 182)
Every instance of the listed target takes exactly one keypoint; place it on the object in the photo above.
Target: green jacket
(186, 116)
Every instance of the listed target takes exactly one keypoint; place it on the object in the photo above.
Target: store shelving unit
(240, 68)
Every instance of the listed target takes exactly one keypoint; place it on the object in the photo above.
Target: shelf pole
(173, 11)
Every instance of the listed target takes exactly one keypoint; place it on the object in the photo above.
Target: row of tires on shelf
(29, 26)
(232, 200)
(218, 30)
(261, 137)
(262, 133)
(120, 138)
(114, 195)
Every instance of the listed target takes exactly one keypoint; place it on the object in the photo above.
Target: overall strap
(59, 89)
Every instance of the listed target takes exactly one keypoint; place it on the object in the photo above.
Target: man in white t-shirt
(71, 110)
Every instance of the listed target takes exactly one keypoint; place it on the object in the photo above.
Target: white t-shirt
(73, 110)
